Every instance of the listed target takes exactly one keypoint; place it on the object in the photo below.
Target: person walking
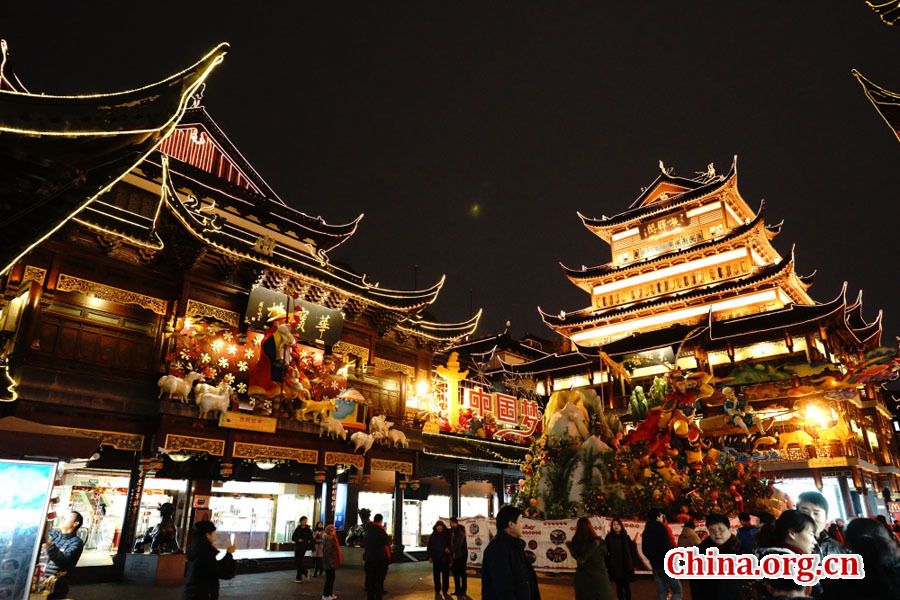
(303, 543)
(318, 541)
(459, 551)
(439, 556)
(331, 557)
(376, 557)
(621, 567)
(589, 551)
(657, 540)
(63, 551)
(506, 573)
(201, 580)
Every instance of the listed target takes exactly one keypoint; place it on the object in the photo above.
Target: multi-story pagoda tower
(685, 248)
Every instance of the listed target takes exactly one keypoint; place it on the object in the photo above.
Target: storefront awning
(467, 448)
(21, 438)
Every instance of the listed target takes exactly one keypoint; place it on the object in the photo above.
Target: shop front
(259, 515)
(101, 498)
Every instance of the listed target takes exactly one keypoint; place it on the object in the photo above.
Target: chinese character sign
(480, 402)
(664, 225)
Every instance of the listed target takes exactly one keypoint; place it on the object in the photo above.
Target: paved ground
(408, 581)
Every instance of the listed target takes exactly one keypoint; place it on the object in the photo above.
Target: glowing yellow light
(676, 315)
(421, 387)
(217, 345)
(669, 271)
(166, 130)
(11, 388)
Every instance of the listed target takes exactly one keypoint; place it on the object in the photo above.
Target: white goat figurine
(365, 440)
(380, 423)
(176, 387)
(333, 428)
(218, 401)
(205, 388)
(397, 438)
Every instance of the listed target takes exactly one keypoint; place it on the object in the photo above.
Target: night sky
(470, 135)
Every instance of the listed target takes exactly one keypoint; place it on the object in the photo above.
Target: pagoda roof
(887, 103)
(777, 320)
(697, 189)
(551, 362)
(590, 315)
(239, 241)
(439, 332)
(58, 153)
(651, 340)
(313, 232)
(107, 218)
(488, 344)
(589, 273)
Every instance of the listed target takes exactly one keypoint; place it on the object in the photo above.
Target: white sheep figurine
(397, 438)
(333, 428)
(380, 424)
(219, 401)
(176, 387)
(365, 440)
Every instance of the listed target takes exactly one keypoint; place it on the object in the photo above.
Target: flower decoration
(242, 366)
(223, 362)
(242, 388)
(249, 353)
(232, 349)
(229, 378)
(205, 358)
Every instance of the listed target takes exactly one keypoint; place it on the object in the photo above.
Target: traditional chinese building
(694, 281)
(157, 260)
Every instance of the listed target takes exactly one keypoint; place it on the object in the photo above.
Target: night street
(407, 581)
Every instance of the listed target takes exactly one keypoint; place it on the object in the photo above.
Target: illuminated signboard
(309, 322)
(507, 410)
(664, 224)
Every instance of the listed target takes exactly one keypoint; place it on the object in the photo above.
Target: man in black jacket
(657, 540)
(376, 557)
(506, 573)
(459, 550)
(64, 550)
(303, 542)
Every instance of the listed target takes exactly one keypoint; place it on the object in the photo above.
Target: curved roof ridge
(806, 312)
(606, 222)
(762, 274)
(731, 235)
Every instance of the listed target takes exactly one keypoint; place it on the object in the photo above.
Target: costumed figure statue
(739, 413)
(670, 425)
(267, 377)
(162, 538)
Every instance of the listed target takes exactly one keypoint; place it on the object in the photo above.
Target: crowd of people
(604, 565)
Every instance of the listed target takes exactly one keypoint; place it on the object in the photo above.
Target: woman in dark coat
(303, 543)
(439, 556)
(621, 567)
(201, 581)
(589, 551)
(331, 557)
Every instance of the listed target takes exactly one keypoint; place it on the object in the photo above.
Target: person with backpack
(746, 532)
